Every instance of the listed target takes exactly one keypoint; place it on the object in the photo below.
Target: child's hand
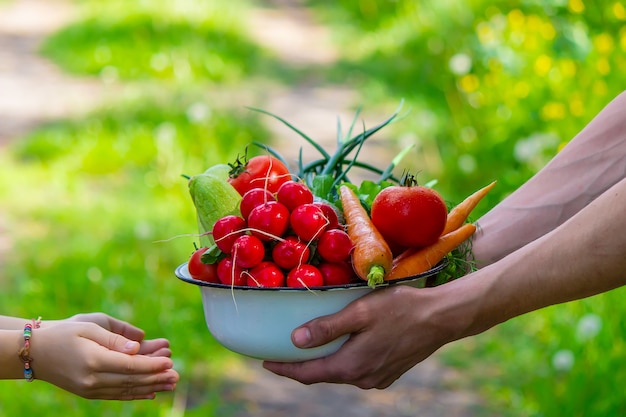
(89, 360)
(156, 347)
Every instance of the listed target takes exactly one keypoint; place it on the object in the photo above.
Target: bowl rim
(185, 278)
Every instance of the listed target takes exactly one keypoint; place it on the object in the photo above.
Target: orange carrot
(460, 213)
(371, 258)
(414, 261)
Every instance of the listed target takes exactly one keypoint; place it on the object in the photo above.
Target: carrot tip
(376, 276)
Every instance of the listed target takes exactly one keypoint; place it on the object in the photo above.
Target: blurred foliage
(493, 90)
(562, 360)
(498, 84)
(159, 136)
(180, 42)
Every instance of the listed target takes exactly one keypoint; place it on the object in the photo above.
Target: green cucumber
(214, 198)
(220, 171)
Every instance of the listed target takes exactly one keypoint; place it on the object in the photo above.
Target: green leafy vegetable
(325, 174)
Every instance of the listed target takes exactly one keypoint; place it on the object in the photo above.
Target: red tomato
(409, 216)
(201, 271)
(263, 171)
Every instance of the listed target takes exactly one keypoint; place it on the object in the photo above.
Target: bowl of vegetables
(279, 248)
(257, 321)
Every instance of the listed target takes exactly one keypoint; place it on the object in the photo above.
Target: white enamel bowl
(258, 322)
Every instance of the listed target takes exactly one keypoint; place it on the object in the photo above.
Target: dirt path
(428, 390)
(33, 90)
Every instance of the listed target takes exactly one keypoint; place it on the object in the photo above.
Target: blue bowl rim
(433, 271)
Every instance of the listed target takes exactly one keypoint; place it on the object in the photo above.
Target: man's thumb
(322, 330)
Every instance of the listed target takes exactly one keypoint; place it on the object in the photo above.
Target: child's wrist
(24, 352)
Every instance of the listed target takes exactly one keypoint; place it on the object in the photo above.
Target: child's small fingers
(165, 352)
(154, 346)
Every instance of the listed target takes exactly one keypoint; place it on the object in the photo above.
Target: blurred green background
(494, 90)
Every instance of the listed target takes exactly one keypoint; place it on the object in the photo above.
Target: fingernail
(130, 345)
(301, 336)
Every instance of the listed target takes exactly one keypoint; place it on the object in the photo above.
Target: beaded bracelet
(24, 352)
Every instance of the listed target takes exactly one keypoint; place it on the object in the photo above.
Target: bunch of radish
(282, 239)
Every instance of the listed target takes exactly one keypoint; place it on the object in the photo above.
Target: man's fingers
(325, 329)
(309, 372)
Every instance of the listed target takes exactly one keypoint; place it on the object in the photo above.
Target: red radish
(229, 273)
(266, 274)
(290, 253)
(248, 251)
(334, 245)
(252, 198)
(308, 221)
(305, 276)
(330, 213)
(340, 273)
(201, 271)
(226, 230)
(293, 194)
(268, 220)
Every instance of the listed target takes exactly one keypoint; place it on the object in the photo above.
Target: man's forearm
(590, 164)
(583, 257)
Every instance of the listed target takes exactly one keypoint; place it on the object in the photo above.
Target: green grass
(92, 205)
(563, 360)
(180, 42)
